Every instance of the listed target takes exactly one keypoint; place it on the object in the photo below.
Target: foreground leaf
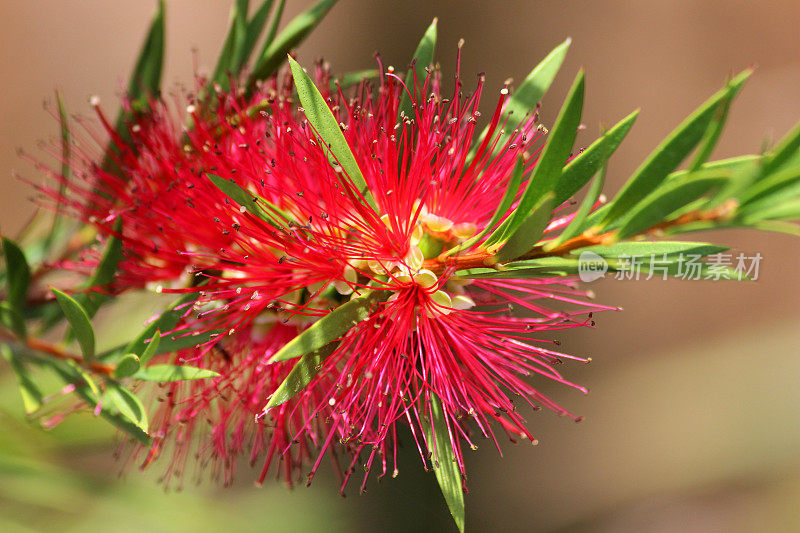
(292, 35)
(423, 56)
(169, 373)
(331, 327)
(18, 274)
(532, 89)
(444, 461)
(327, 129)
(301, 375)
(586, 164)
(669, 153)
(31, 395)
(128, 404)
(79, 320)
(529, 233)
(549, 167)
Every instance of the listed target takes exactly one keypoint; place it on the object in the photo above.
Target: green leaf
(79, 320)
(173, 343)
(18, 274)
(254, 28)
(574, 227)
(532, 89)
(350, 79)
(31, 395)
(63, 120)
(713, 131)
(273, 27)
(332, 326)
(13, 320)
(669, 153)
(529, 233)
(151, 349)
(550, 165)
(647, 248)
(301, 375)
(146, 77)
(232, 56)
(444, 461)
(327, 128)
(243, 198)
(505, 204)
(168, 373)
(786, 149)
(165, 322)
(586, 164)
(769, 185)
(292, 35)
(656, 207)
(127, 366)
(786, 210)
(104, 273)
(128, 404)
(145, 80)
(423, 56)
(88, 392)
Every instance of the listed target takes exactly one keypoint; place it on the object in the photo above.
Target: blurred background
(691, 423)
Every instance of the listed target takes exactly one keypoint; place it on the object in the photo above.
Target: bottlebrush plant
(347, 256)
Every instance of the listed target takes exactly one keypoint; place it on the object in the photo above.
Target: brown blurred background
(692, 421)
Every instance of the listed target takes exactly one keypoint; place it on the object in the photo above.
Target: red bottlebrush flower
(310, 240)
(214, 422)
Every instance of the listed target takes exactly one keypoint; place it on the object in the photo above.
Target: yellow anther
(426, 279)
(464, 230)
(462, 301)
(440, 305)
(437, 223)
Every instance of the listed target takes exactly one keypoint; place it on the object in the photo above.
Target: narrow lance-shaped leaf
(165, 322)
(550, 165)
(668, 154)
(658, 206)
(104, 273)
(586, 164)
(574, 227)
(647, 248)
(18, 274)
(126, 366)
(423, 56)
(145, 80)
(444, 461)
(331, 327)
(529, 233)
(787, 148)
(301, 375)
(31, 395)
(273, 27)
(79, 320)
(505, 204)
(128, 404)
(349, 79)
(88, 392)
(169, 373)
(231, 57)
(713, 131)
(243, 198)
(255, 26)
(152, 348)
(13, 320)
(327, 127)
(532, 89)
(63, 120)
(292, 35)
